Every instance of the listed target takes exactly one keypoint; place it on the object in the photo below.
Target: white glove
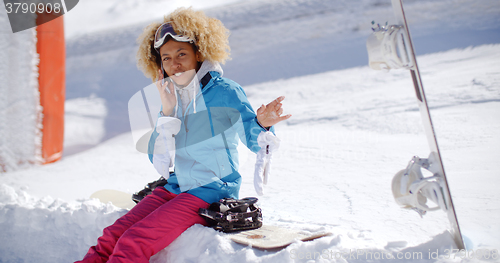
(268, 143)
(164, 149)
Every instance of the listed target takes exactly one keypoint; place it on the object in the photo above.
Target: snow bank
(47, 229)
(52, 230)
(20, 110)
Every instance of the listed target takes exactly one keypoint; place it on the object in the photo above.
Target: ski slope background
(352, 129)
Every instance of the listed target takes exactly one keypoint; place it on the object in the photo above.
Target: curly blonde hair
(209, 34)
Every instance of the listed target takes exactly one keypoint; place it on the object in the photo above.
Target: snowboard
(392, 47)
(269, 237)
(117, 198)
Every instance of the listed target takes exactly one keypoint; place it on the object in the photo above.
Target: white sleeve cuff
(164, 148)
(268, 143)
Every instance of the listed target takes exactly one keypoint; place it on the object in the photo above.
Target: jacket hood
(188, 93)
(208, 66)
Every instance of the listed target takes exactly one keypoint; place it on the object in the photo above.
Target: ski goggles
(166, 30)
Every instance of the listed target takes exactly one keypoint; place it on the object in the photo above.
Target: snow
(352, 129)
(21, 108)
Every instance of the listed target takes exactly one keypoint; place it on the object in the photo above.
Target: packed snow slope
(352, 129)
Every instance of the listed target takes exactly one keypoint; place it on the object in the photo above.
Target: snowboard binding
(230, 215)
(412, 190)
(388, 48)
(148, 189)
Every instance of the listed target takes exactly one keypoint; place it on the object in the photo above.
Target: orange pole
(52, 51)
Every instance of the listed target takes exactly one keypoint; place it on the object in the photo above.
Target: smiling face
(180, 61)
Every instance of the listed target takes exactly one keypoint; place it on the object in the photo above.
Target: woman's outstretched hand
(168, 99)
(270, 114)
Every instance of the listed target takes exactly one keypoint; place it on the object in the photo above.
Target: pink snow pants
(149, 227)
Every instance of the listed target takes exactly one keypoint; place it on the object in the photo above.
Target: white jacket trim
(164, 149)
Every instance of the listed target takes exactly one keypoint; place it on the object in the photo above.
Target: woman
(204, 116)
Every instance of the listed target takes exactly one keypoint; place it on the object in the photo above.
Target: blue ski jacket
(206, 156)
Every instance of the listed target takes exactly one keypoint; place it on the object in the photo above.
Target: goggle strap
(165, 30)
